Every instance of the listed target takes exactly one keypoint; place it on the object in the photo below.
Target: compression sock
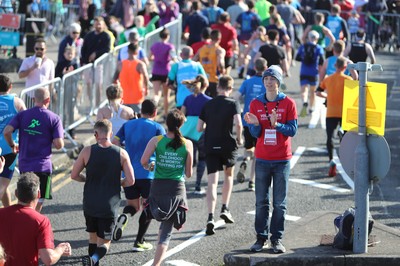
(143, 226)
(92, 249)
(129, 209)
(101, 251)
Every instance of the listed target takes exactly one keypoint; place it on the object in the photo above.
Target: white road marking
(319, 185)
(319, 114)
(296, 156)
(187, 243)
(340, 170)
(180, 263)
(287, 217)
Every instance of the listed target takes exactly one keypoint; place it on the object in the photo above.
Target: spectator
(95, 44)
(354, 24)
(39, 130)
(273, 153)
(168, 185)
(67, 64)
(73, 39)
(168, 11)
(376, 7)
(345, 6)
(123, 9)
(37, 68)
(103, 162)
(87, 11)
(217, 119)
(32, 230)
(150, 15)
(11, 105)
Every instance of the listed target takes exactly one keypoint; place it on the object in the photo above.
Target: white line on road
(287, 217)
(319, 185)
(341, 171)
(187, 243)
(296, 156)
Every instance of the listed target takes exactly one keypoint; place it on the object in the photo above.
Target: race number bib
(270, 137)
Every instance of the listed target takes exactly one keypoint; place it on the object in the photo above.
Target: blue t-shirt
(330, 67)
(334, 23)
(184, 70)
(318, 59)
(212, 13)
(7, 112)
(249, 21)
(250, 89)
(136, 134)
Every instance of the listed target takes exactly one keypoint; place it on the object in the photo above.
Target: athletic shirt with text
(7, 112)
(170, 163)
(358, 52)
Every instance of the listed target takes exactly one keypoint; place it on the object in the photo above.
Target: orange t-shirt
(208, 59)
(131, 82)
(333, 85)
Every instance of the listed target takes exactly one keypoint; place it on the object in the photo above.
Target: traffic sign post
(361, 165)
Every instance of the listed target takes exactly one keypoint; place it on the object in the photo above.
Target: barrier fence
(80, 93)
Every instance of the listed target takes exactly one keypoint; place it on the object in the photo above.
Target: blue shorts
(9, 165)
(308, 80)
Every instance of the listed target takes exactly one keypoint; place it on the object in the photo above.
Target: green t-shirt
(321, 39)
(262, 9)
(170, 163)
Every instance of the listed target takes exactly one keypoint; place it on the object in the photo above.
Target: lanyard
(266, 111)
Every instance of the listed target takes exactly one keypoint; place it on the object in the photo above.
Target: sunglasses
(75, 32)
(39, 49)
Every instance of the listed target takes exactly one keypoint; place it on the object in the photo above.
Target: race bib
(270, 137)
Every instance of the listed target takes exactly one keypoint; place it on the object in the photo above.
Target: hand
(92, 57)
(66, 247)
(251, 119)
(15, 149)
(273, 118)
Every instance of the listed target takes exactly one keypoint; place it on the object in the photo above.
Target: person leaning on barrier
(31, 229)
(39, 129)
(10, 106)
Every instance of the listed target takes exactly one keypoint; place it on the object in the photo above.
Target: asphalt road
(310, 189)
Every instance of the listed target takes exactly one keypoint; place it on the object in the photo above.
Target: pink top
(42, 74)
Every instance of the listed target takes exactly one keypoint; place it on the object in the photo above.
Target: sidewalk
(303, 243)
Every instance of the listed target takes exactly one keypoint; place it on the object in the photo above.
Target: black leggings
(331, 125)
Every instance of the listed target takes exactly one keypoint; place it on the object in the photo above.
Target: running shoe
(303, 112)
(259, 245)
(139, 247)
(332, 169)
(278, 247)
(210, 228)
(227, 216)
(87, 261)
(252, 186)
(122, 221)
(240, 177)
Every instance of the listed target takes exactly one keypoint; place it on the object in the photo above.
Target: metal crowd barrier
(80, 93)
(54, 86)
(382, 29)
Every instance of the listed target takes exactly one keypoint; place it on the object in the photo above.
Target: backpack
(309, 54)
(345, 226)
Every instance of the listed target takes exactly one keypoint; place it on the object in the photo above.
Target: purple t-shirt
(38, 127)
(162, 57)
(194, 104)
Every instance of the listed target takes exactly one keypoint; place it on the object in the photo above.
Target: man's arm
(58, 143)
(129, 179)
(80, 164)
(150, 148)
(7, 132)
(370, 53)
(239, 127)
(51, 256)
(19, 104)
(200, 125)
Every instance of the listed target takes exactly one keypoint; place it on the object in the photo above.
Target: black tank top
(101, 194)
(358, 53)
